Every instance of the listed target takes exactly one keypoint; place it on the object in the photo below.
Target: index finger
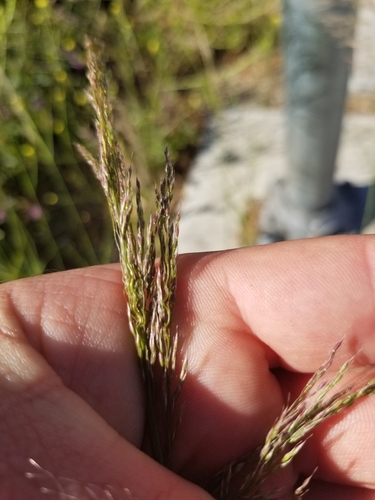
(299, 298)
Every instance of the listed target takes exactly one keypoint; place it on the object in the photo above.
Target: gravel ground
(244, 153)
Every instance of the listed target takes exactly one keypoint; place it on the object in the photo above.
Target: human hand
(256, 322)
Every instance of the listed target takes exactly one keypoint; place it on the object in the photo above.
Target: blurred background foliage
(170, 64)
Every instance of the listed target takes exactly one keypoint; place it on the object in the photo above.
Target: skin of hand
(256, 323)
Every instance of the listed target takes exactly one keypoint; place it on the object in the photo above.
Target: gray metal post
(318, 38)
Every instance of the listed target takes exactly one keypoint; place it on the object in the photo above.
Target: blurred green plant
(169, 64)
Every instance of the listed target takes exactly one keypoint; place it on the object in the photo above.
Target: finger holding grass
(85, 401)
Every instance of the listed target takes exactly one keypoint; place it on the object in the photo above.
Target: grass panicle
(150, 285)
(317, 402)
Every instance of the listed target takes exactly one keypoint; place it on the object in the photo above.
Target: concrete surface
(244, 153)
